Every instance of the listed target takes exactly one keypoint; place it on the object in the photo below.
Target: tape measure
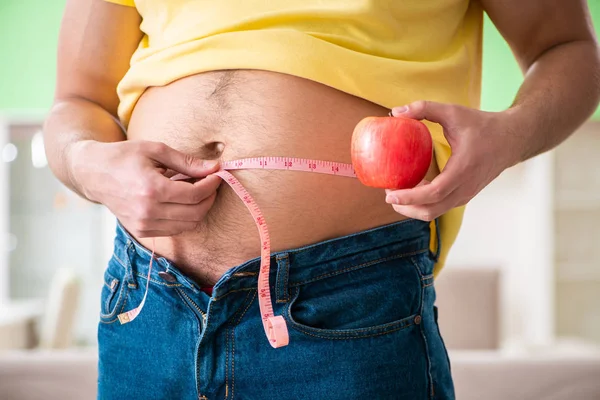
(274, 326)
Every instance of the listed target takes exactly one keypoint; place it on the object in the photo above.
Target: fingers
(440, 188)
(440, 113)
(428, 201)
(182, 212)
(158, 228)
(180, 162)
(167, 219)
(431, 211)
(188, 193)
(161, 207)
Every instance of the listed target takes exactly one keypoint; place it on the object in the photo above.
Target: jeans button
(417, 320)
(167, 276)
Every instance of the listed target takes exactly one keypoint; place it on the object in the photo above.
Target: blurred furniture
(564, 371)
(469, 319)
(17, 324)
(48, 375)
(20, 326)
(469, 308)
(490, 375)
(57, 324)
(45, 226)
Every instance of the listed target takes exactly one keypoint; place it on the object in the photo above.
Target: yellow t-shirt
(388, 52)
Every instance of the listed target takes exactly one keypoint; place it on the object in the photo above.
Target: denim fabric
(359, 308)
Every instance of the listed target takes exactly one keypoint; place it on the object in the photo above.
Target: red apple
(391, 152)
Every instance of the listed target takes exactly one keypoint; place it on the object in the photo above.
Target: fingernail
(399, 110)
(391, 199)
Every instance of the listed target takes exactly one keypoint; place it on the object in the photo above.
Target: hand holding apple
(483, 145)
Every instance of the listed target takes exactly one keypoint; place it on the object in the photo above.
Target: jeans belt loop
(282, 293)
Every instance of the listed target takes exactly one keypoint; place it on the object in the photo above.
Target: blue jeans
(359, 308)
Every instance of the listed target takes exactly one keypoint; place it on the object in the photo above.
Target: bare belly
(237, 114)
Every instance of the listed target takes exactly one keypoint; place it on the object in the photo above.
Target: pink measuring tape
(274, 326)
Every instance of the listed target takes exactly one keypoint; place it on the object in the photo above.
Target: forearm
(71, 125)
(560, 91)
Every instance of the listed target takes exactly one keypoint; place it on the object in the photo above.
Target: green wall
(28, 37)
(501, 74)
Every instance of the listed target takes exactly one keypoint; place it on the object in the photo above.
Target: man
(155, 88)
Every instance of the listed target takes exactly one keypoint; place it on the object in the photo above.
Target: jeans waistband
(295, 266)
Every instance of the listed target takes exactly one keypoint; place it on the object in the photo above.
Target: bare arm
(96, 42)
(554, 43)
(86, 146)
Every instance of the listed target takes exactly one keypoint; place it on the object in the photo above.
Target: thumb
(183, 163)
(435, 112)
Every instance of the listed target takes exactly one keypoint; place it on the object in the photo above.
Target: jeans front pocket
(374, 298)
(114, 290)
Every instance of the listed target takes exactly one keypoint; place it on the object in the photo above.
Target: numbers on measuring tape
(275, 327)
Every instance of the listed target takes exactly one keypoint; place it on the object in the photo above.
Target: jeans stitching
(363, 265)
(287, 279)
(233, 342)
(285, 269)
(443, 342)
(278, 278)
(227, 362)
(200, 320)
(341, 238)
(111, 279)
(422, 304)
(355, 337)
(108, 299)
(111, 314)
(230, 327)
(196, 306)
(108, 286)
(122, 293)
(158, 282)
(133, 242)
(119, 260)
(357, 333)
(112, 292)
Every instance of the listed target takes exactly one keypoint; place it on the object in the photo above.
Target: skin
(202, 227)
(554, 43)
(178, 128)
(86, 146)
